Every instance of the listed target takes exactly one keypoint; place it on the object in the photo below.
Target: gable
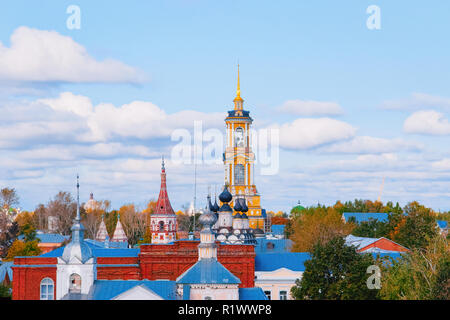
(384, 244)
(138, 292)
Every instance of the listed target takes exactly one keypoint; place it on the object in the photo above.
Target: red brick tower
(163, 221)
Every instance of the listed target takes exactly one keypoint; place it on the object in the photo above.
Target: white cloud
(307, 133)
(366, 144)
(46, 56)
(427, 122)
(311, 108)
(418, 101)
(71, 118)
(442, 165)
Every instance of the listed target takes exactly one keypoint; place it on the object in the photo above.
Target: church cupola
(76, 269)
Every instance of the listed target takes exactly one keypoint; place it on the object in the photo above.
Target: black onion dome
(237, 205)
(244, 205)
(225, 208)
(215, 206)
(210, 205)
(225, 196)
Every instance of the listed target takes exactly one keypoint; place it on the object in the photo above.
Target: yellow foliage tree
(21, 248)
(318, 226)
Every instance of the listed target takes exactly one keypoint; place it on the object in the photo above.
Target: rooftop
(273, 261)
(365, 216)
(208, 271)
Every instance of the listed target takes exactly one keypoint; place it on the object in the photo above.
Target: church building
(239, 161)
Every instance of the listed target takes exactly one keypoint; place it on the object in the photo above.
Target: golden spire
(238, 100)
(238, 91)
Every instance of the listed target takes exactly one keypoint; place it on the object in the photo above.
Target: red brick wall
(170, 261)
(27, 281)
(154, 262)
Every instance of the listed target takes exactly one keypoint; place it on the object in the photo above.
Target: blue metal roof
(252, 294)
(442, 224)
(186, 292)
(365, 216)
(208, 271)
(362, 242)
(48, 237)
(97, 251)
(109, 289)
(278, 229)
(359, 242)
(264, 245)
(5, 269)
(273, 261)
(392, 254)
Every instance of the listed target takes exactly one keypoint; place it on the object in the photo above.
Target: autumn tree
(335, 272)
(422, 274)
(317, 225)
(7, 238)
(92, 218)
(23, 248)
(63, 207)
(8, 198)
(26, 247)
(134, 223)
(40, 217)
(25, 218)
(415, 228)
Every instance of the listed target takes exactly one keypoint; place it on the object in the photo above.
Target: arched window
(47, 287)
(161, 226)
(75, 283)
(239, 137)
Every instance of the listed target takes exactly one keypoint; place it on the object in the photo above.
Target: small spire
(78, 218)
(162, 163)
(238, 91)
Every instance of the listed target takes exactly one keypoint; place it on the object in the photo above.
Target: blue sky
(390, 85)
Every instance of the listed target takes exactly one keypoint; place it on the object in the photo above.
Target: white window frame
(49, 294)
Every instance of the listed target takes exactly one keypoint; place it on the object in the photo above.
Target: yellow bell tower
(239, 160)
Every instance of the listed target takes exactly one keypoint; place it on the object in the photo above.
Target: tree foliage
(8, 197)
(336, 272)
(371, 228)
(23, 248)
(64, 208)
(415, 228)
(317, 225)
(421, 274)
(8, 237)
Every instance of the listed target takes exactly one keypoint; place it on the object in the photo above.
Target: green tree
(5, 291)
(335, 271)
(371, 228)
(416, 228)
(422, 274)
